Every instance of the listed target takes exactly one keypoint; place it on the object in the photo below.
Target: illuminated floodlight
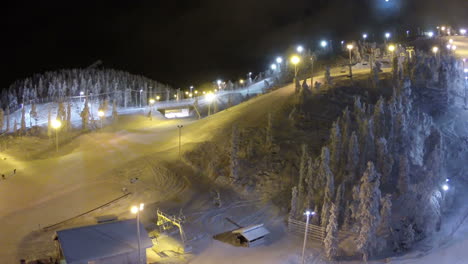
(350, 46)
(449, 46)
(451, 41)
(308, 213)
(465, 70)
(186, 92)
(435, 49)
(300, 49)
(454, 47)
(442, 28)
(323, 43)
(279, 60)
(445, 187)
(364, 36)
(342, 42)
(210, 97)
(391, 48)
(463, 31)
(152, 101)
(273, 67)
(387, 35)
(430, 34)
(81, 93)
(241, 81)
(56, 124)
(447, 180)
(158, 97)
(100, 113)
(295, 59)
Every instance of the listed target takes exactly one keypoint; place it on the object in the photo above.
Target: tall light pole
(180, 138)
(350, 48)
(307, 214)
(136, 210)
(295, 60)
(101, 116)
(391, 48)
(140, 97)
(56, 124)
(210, 97)
(387, 36)
(435, 50)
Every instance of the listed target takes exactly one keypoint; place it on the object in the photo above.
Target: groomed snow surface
(91, 169)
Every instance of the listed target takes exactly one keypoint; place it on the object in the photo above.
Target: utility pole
(180, 136)
(307, 214)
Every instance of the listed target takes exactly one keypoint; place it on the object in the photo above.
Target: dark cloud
(183, 42)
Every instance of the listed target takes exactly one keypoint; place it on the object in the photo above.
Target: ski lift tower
(164, 220)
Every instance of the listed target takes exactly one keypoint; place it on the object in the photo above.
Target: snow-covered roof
(252, 232)
(87, 243)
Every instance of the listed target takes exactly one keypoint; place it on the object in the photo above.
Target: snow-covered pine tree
(385, 215)
(353, 158)
(331, 239)
(302, 174)
(7, 119)
(369, 196)
(15, 127)
(1, 119)
(234, 162)
(403, 174)
(384, 160)
(115, 115)
(339, 202)
(61, 113)
(335, 147)
(326, 173)
(49, 123)
(23, 121)
(33, 114)
(85, 116)
(379, 119)
(293, 212)
(69, 114)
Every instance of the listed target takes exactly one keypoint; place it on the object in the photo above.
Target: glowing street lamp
(273, 67)
(101, 116)
(158, 97)
(295, 60)
(364, 36)
(387, 36)
(463, 31)
(323, 43)
(445, 187)
(152, 101)
(300, 49)
(308, 214)
(56, 124)
(391, 48)
(430, 34)
(186, 92)
(435, 50)
(279, 60)
(136, 210)
(350, 48)
(210, 98)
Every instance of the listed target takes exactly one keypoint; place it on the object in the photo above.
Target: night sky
(193, 41)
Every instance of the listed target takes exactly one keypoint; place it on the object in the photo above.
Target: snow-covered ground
(91, 169)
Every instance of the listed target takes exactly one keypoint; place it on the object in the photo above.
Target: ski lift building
(251, 236)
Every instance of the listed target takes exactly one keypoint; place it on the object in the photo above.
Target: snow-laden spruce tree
(368, 213)
(49, 123)
(115, 115)
(328, 79)
(335, 147)
(353, 158)
(61, 113)
(379, 119)
(302, 173)
(384, 228)
(294, 196)
(15, 127)
(85, 116)
(69, 115)
(339, 200)
(326, 173)
(33, 114)
(384, 160)
(23, 121)
(331, 239)
(1, 119)
(234, 159)
(403, 174)
(7, 119)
